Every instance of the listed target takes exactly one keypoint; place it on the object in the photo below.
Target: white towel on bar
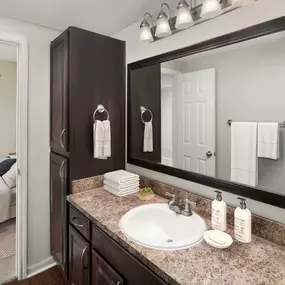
(121, 176)
(122, 187)
(98, 139)
(268, 140)
(244, 164)
(148, 137)
(121, 193)
(107, 139)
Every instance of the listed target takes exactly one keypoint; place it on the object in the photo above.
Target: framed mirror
(214, 113)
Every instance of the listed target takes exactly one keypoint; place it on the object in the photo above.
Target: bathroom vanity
(101, 254)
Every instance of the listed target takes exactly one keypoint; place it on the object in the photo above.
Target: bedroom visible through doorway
(8, 161)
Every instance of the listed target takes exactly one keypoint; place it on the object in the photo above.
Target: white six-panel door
(196, 121)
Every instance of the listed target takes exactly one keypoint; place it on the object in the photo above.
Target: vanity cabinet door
(79, 264)
(103, 273)
(59, 132)
(58, 191)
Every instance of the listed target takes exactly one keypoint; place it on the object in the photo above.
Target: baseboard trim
(40, 267)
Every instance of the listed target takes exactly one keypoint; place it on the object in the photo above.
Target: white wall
(261, 11)
(8, 88)
(39, 39)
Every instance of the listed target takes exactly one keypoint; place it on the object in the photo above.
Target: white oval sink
(155, 226)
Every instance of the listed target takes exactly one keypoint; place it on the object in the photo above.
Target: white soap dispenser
(243, 222)
(219, 213)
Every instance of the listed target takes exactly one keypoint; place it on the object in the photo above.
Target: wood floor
(49, 277)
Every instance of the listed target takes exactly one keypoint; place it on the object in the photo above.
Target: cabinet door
(102, 273)
(79, 249)
(59, 95)
(58, 191)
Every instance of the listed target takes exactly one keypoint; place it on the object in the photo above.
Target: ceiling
(104, 16)
(8, 52)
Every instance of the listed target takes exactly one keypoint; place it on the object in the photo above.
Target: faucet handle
(167, 194)
(189, 202)
(187, 211)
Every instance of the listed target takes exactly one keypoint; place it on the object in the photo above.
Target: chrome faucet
(178, 207)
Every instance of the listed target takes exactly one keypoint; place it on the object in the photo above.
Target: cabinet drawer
(79, 221)
(122, 261)
(103, 273)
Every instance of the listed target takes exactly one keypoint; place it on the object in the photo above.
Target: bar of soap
(145, 196)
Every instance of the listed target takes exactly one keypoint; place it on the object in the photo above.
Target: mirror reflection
(219, 113)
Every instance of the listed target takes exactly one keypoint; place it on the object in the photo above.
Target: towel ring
(100, 109)
(144, 109)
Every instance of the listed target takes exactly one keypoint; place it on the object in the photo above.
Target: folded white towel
(244, 167)
(268, 140)
(121, 193)
(107, 139)
(98, 139)
(124, 186)
(121, 176)
(148, 137)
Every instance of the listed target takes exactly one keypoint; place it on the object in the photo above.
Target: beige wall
(39, 39)
(260, 11)
(8, 88)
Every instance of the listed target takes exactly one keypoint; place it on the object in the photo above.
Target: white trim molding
(40, 267)
(21, 149)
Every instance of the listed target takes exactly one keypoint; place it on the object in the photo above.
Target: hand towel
(107, 139)
(244, 166)
(98, 139)
(5, 201)
(148, 137)
(121, 193)
(121, 176)
(268, 140)
(122, 187)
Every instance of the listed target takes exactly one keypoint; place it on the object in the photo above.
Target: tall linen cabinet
(87, 69)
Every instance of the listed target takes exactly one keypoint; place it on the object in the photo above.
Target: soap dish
(218, 239)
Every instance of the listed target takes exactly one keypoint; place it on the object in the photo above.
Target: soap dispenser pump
(243, 222)
(219, 213)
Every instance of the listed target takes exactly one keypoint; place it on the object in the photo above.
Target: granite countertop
(258, 263)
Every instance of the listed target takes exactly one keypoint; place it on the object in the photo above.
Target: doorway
(8, 160)
(13, 156)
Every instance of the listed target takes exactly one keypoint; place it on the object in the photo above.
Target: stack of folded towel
(121, 182)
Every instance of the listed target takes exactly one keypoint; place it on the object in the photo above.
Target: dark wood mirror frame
(263, 29)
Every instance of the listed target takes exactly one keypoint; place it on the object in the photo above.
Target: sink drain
(169, 240)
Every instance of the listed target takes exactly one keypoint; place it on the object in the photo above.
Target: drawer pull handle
(76, 224)
(119, 283)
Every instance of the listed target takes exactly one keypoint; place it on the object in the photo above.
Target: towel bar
(100, 109)
(281, 125)
(144, 109)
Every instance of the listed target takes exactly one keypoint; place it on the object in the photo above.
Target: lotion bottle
(219, 213)
(243, 222)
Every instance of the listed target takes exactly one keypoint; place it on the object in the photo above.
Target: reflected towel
(244, 166)
(268, 140)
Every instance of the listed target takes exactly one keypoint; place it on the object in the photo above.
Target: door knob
(209, 154)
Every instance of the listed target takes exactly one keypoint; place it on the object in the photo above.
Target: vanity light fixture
(162, 26)
(211, 9)
(146, 33)
(184, 17)
(187, 16)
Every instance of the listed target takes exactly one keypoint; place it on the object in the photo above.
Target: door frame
(21, 149)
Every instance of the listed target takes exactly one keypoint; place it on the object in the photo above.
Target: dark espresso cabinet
(79, 264)
(87, 69)
(58, 188)
(59, 95)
